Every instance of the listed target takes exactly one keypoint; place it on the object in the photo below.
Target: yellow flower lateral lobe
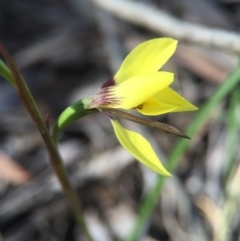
(147, 57)
(139, 147)
(165, 101)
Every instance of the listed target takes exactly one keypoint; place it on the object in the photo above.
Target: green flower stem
(178, 151)
(68, 116)
(232, 134)
(56, 161)
(6, 73)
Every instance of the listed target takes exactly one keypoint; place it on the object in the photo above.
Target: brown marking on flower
(108, 83)
(140, 107)
(103, 98)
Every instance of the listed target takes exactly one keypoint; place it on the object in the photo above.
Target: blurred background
(66, 50)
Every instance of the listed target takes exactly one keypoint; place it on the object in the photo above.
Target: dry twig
(163, 23)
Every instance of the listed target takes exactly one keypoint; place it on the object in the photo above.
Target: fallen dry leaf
(11, 172)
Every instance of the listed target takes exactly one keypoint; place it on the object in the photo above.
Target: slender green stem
(232, 134)
(180, 148)
(6, 73)
(56, 161)
(68, 116)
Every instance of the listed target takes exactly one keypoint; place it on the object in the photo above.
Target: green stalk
(55, 158)
(69, 115)
(6, 73)
(178, 151)
(232, 134)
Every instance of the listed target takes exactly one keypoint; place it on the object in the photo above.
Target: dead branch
(163, 23)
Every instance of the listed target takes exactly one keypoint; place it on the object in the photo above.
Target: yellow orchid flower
(138, 85)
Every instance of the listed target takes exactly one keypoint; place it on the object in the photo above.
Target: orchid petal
(147, 57)
(139, 147)
(136, 90)
(165, 101)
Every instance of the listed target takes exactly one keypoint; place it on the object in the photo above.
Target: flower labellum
(137, 85)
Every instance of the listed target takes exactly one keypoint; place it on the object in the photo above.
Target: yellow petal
(136, 90)
(139, 147)
(165, 101)
(147, 57)
(154, 107)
